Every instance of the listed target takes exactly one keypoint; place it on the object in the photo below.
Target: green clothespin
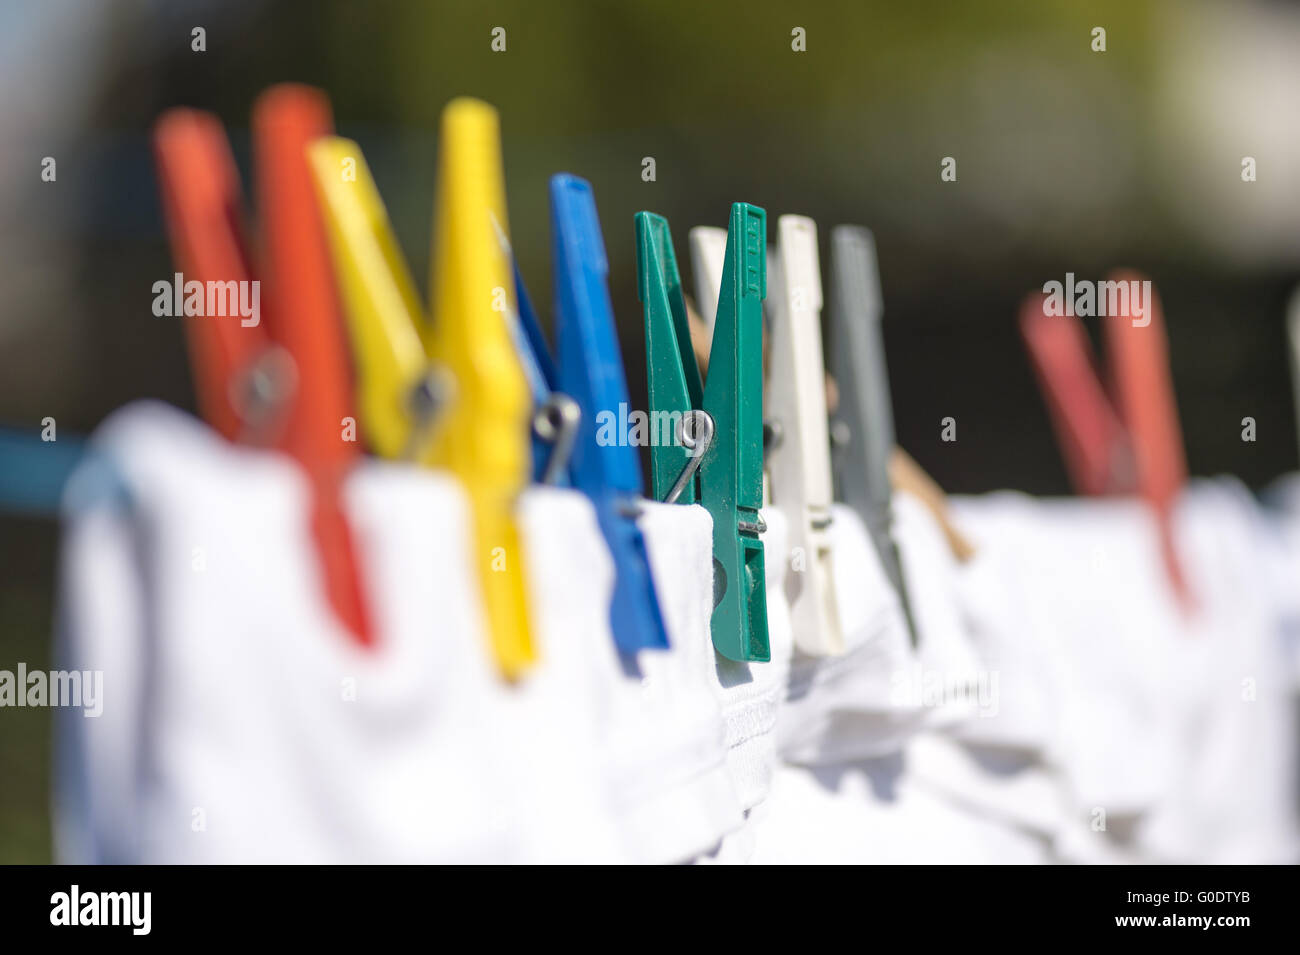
(714, 451)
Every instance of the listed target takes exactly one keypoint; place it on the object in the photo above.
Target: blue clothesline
(33, 472)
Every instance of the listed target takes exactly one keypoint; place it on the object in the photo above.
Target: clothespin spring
(426, 401)
(261, 393)
(695, 432)
(556, 422)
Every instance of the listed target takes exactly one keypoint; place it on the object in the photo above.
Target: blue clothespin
(556, 416)
(589, 375)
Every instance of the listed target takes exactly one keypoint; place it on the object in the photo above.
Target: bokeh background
(1068, 160)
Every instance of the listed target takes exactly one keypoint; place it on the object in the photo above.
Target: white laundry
(1095, 596)
(242, 724)
(874, 812)
(945, 678)
(750, 695)
(1279, 540)
(664, 742)
(846, 707)
(1021, 712)
(855, 720)
(1235, 787)
(1165, 759)
(1060, 704)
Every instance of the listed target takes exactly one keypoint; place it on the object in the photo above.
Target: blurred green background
(1068, 160)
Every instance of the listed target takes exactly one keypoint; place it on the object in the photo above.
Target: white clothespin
(708, 253)
(799, 457)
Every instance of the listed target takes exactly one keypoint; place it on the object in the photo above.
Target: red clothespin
(1093, 441)
(200, 195)
(1132, 444)
(1144, 391)
(283, 382)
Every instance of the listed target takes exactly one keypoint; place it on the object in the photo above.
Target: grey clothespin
(862, 432)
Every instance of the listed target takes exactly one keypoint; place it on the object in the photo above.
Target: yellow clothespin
(481, 431)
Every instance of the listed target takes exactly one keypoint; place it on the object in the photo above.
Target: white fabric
(867, 708)
(1235, 787)
(750, 695)
(665, 743)
(847, 707)
(873, 811)
(1279, 540)
(1094, 594)
(228, 733)
(1060, 704)
(1165, 757)
(945, 676)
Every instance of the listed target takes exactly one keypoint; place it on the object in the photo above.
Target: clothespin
(708, 257)
(450, 393)
(1093, 442)
(201, 200)
(398, 388)
(798, 454)
(863, 430)
(556, 416)
(1131, 444)
(589, 379)
(284, 381)
(591, 372)
(715, 455)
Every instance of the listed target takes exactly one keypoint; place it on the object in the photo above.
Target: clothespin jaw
(863, 428)
(672, 375)
(306, 323)
(590, 370)
(483, 435)
(590, 365)
(719, 459)
(298, 276)
(731, 473)
(556, 416)
(799, 456)
(530, 343)
(203, 208)
(708, 253)
(382, 307)
(1139, 359)
(1094, 443)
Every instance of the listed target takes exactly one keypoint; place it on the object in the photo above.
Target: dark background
(1068, 160)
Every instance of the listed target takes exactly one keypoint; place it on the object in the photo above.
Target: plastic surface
(482, 425)
(590, 370)
(729, 482)
(799, 462)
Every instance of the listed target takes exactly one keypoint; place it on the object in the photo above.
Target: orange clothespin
(1144, 392)
(284, 382)
(200, 196)
(1131, 443)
